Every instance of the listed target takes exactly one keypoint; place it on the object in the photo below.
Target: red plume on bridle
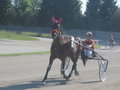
(60, 20)
(56, 21)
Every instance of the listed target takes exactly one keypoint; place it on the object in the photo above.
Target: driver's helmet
(89, 34)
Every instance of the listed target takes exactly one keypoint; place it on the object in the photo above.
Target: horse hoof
(67, 78)
(43, 82)
(77, 74)
(64, 76)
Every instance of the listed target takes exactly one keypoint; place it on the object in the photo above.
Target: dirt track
(26, 73)
(14, 46)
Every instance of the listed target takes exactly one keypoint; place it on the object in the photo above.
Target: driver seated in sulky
(88, 42)
(111, 40)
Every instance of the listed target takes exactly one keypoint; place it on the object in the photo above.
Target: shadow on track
(90, 82)
(51, 82)
(35, 84)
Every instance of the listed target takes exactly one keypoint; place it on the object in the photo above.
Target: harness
(55, 33)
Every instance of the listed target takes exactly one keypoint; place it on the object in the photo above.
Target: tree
(108, 10)
(4, 6)
(100, 13)
(115, 21)
(19, 12)
(36, 4)
(23, 11)
(92, 12)
(69, 10)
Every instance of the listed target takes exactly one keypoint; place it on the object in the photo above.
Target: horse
(64, 47)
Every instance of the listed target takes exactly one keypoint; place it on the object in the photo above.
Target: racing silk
(89, 43)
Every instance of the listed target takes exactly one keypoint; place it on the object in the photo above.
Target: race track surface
(27, 72)
(19, 46)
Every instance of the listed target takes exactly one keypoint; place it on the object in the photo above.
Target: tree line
(99, 15)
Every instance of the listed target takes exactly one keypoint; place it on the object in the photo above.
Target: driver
(90, 44)
(111, 39)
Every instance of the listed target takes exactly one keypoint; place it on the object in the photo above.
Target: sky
(84, 4)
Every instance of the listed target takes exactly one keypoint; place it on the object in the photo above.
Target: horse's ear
(60, 20)
(53, 19)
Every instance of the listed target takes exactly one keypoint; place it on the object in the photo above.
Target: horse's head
(56, 27)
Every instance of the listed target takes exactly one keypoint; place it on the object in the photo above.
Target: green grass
(27, 53)
(14, 36)
(36, 34)
(21, 36)
(97, 46)
(46, 35)
(30, 34)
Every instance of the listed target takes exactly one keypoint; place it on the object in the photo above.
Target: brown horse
(64, 47)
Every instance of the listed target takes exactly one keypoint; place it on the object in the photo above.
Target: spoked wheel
(102, 69)
(67, 62)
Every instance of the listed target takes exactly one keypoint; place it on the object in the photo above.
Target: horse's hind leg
(49, 67)
(63, 68)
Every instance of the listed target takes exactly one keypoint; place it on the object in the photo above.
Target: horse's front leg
(49, 67)
(70, 74)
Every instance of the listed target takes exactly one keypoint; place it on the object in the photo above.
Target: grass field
(27, 53)
(36, 34)
(21, 36)
(14, 36)
(97, 46)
